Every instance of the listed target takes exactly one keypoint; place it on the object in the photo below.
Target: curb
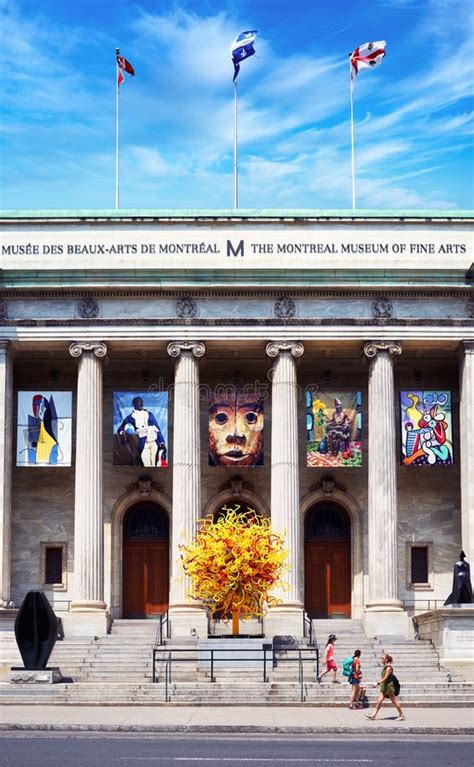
(225, 728)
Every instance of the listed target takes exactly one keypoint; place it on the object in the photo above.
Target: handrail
(431, 604)
(163, 622)
(213, 658)
(168, 678)
(310, 634)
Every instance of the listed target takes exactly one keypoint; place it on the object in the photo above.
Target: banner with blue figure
(44, 427)
(426, 428)
(141, 429)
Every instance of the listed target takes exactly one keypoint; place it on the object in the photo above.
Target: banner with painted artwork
(334, 428)
(44, 427)
(426, 428)
(236, 423)
(141, 429)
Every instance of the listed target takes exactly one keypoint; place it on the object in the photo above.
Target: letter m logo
(238, 251)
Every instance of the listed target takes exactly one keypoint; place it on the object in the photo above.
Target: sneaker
(336, 681)
(370, 716)
(318, 679)
(400, 718)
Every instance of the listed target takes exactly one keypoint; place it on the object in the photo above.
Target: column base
(387, 619)
(187, 621)
(81, 622)
(284, 620)
(88, 605)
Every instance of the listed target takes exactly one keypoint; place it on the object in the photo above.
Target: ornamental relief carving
(285, 308)
(144, 485)
(186, 308)
(469, 306)
(3, 310)
(327, 484)
(382, 308)
(88, 308)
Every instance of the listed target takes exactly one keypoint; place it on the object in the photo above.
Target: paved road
(44, 750)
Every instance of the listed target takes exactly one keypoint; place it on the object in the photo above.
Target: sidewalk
(301, 720)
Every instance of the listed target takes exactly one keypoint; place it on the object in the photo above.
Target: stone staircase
(117, 670)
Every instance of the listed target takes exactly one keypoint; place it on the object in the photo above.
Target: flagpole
(117, 136)
(351, 85)
(236, 169)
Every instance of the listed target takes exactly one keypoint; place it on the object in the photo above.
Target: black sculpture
(462, 586)
(36, 630)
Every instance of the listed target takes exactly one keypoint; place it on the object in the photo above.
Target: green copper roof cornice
(252, 278)
(229, 215)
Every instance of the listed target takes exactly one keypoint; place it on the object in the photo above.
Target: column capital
(274, 348)
(98, 348)
(372, 348)
(6, 347)
(196, 348)
(467, 347)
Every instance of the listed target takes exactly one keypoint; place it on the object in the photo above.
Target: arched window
(326, 520)
(146, 520)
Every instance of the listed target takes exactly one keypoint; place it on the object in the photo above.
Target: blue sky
(413, 114)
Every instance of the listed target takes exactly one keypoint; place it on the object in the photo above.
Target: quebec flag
(242, 48)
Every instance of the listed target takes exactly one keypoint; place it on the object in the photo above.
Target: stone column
(287, 618)
(185, 615)
(466, 419)
(6, 442)
(88, 521)
(384, 612)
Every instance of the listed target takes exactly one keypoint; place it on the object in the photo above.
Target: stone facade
(157, 333)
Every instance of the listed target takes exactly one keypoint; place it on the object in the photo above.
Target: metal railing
(163, 630)
(422, 605)
(165, 660)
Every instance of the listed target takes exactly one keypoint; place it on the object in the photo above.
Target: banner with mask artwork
(44, 426)
(235, 428)
(334, 428)
(141, 429)
(426, 428)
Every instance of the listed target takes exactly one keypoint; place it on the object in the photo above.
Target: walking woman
(354, 681)
(387, 689)
(329, 659)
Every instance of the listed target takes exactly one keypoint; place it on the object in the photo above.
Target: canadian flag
(123, 66)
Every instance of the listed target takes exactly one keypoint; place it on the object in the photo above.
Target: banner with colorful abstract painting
(334, 428)
(426, 428)
(141, 429)
(44, 426)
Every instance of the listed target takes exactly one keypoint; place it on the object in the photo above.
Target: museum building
(158, 367)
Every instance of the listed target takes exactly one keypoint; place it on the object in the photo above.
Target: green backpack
(347, 666)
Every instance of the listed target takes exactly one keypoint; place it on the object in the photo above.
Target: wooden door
(145, 578)
(328, 579)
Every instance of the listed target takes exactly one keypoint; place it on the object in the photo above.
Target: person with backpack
(389, 688)
(329, 659)
(354, 679)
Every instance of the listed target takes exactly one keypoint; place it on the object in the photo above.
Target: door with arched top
(145, 561)
(328, 561)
